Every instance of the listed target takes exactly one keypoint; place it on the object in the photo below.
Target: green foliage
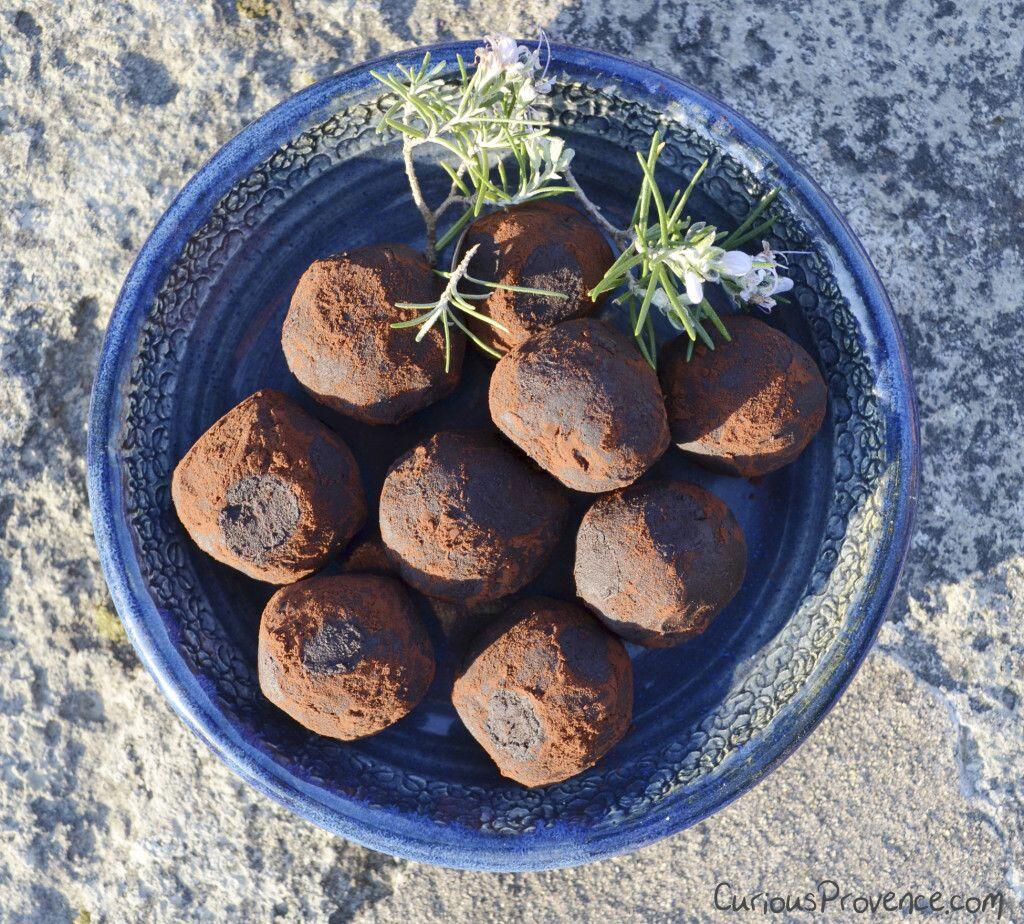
(494, 144)
(452, 304)
(670, 258)
(497, 150)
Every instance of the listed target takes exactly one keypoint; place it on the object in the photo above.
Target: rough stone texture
(909, 113)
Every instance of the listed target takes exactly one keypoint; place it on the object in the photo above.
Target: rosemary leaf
(686, 194)
(753, 234)
(455, 229)
(483, 346)
(508, 288)
(645, 306)
(733, 240)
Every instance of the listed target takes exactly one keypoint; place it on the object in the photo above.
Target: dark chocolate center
(261, 514)
(551, 266)
(336, 648)
(512, 724)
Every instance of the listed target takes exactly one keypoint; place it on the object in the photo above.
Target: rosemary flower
(491, 141)
(762, 281)
(517, 67)
(696, 260)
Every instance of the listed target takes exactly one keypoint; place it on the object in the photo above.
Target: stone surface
(908, 113)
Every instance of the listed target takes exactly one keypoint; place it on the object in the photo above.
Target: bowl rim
(190, 207)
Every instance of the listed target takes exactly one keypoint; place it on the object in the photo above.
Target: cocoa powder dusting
(346, 655)
(539, 245)
(269, 490)
(339, 343)
(582, 402)
(546, 691)
(747, 408)
(659, 560)
(464, 519)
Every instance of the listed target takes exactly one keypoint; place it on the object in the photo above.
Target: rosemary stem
(458, 273)
(429, 217)
(453, 199)
(635, 286)
(621, 237)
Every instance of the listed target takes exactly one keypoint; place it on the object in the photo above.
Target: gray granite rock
(909, 113)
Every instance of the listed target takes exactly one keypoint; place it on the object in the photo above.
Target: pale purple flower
(498, 56)
(734, 263)
(763, 282)
(696, 260)
(694, 286)
(521, 69)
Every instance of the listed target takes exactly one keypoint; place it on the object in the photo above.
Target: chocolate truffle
(340, 345)
(466, 519)
(458, 623)
(540, 245)
(747, 408)
(582, 402)
(345, 655)
(658, 561)
(269, 490)
(367, 557)
(546, 691)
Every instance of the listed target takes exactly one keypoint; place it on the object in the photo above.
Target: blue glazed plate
(196, 329)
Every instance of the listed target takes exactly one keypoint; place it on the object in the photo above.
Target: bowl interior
(710, 715)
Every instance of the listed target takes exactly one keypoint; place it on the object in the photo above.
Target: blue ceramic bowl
(196, 329)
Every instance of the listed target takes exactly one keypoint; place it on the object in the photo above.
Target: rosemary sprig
(448, 306)
(668, 258)
(497, 151)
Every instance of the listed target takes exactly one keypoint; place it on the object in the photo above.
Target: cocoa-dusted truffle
(269, 490)
(346, 655)
(340, 345)
(658, 561)
(540, 245)
(583, 403)
(747, 408)
(466, 519)
(368, 556)
(546, 691)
